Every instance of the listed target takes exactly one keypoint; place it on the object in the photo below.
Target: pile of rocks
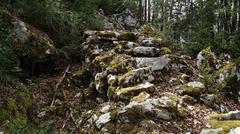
(126, 68)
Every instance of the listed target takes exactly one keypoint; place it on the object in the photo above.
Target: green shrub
(7, 56)
(62, 20)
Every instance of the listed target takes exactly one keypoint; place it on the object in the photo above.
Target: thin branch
(58, 84)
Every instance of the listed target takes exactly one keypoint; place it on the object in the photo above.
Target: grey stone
(156, 64)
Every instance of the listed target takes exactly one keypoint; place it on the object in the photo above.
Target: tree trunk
(140, 6)
(149, 10)
(145, 10)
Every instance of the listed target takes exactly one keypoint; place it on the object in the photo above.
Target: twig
(65, 122)
(58, 84)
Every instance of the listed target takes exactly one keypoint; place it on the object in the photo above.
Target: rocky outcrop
(30, 43)
(206, 61)
(131, 82)
(228, 78)
(193, 89)
(124, 68)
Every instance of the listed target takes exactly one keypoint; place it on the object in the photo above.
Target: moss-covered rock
(156, 63)
(129, 92)
(206, 61)
(120, 64)
(143, 52)
(136, 76)
(183, 112)
(194, 89)
(233, 115)
(226, 122)
(168, 100)
(101, 82)
(211, 100)
(104, 116)
(164, 51)
(152, 42)
(30, 43)
(104, 59)
(115, 36)
(107, 35)
(188, 99)
(141, 97)
(149, 108)
(225, 125)
(125, 44)
(129, 36)
(228, 78)
(147, 30)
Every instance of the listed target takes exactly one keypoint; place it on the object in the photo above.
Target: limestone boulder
(228, 78)
(194, 89)
(155, 63)
(206, 61)
(129, 92)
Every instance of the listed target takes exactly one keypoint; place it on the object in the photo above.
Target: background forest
(190, 24)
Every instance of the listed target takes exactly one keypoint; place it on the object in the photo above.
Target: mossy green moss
(11, 105)
(188, 99)
(141, 97)
(127, 93)
(218, 117)
(125, 128)
(13, 117)
(106, 34)
(24, 100)
(130, 36)
(171, 96)
(148, 30)
(109, 128)
(105, 59)
(194, 89)
(183, 112)
(164, 50)
(118, 65)
(122, 79)
(225, 69)
(105, 56)
(111, 92)
(226, 125)
(14, 111)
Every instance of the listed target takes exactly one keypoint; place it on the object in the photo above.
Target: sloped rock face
(32, 47)
(228, 77)
(30, 43)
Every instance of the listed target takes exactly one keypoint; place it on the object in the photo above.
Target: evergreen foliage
(7, 56)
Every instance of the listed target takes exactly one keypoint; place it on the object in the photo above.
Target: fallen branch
(65, 122)
(58, 84)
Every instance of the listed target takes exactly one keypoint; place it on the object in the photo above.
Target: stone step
(156, 63)
(116, 36)
(129, 92)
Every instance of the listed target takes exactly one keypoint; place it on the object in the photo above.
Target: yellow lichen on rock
(194, 89)
(141, 97)
(147, 30)
(127, 93)
(226, 125)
